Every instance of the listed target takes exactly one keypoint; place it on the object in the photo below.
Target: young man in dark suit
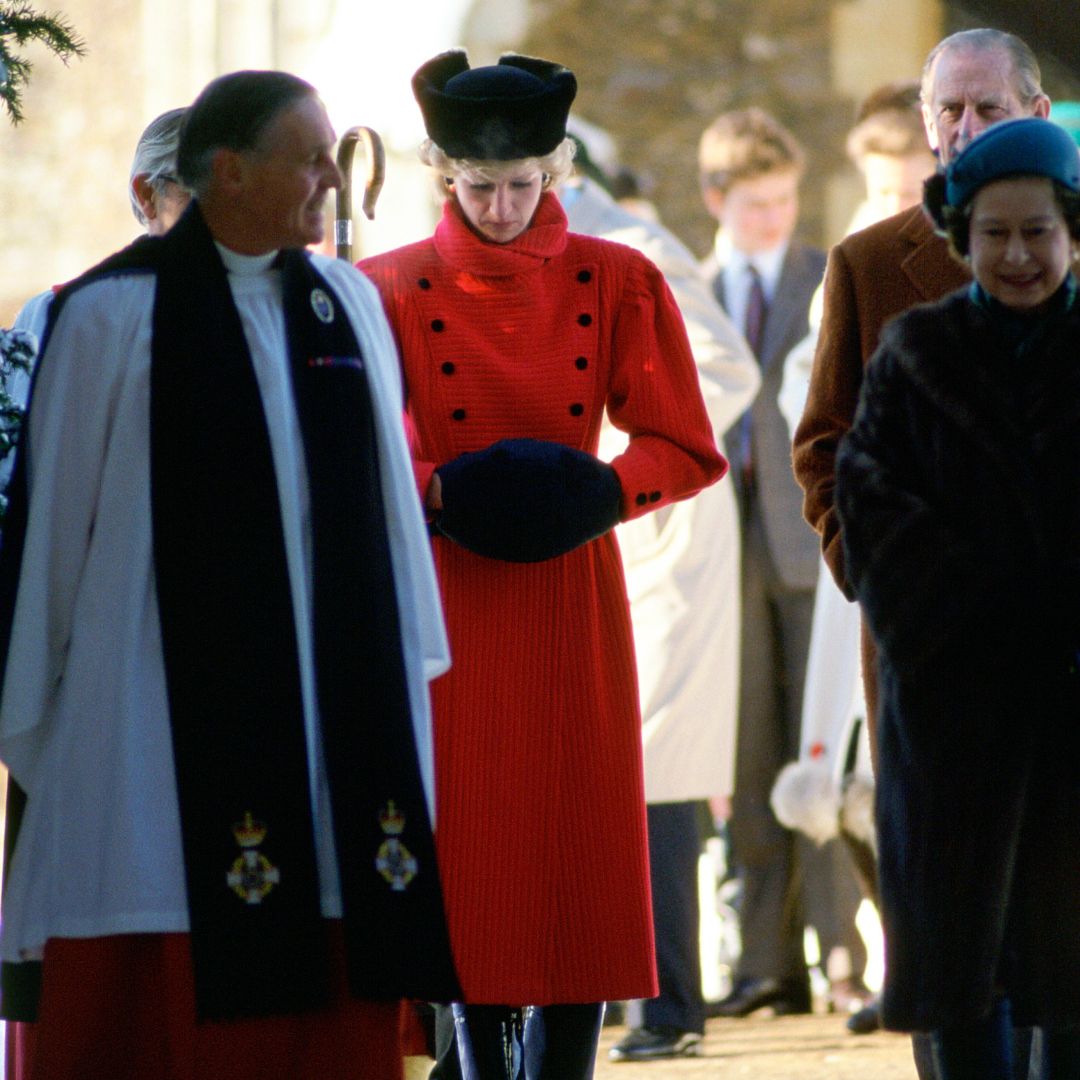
(750, 168)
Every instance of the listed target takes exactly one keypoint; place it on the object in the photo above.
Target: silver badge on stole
(322, 305)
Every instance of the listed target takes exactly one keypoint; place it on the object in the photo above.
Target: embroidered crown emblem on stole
(394, 861)
(252, 876)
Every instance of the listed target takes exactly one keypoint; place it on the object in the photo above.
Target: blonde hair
(556, 166)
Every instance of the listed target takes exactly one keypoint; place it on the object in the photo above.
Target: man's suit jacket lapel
(788, 306)
(711, 268)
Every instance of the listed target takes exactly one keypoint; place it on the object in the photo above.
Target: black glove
(525, 500)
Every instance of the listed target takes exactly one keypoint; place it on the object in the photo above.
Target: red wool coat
(541, 825)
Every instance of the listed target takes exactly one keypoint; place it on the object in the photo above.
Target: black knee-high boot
(491, 1045)
(979, 1050)
(561, 1041)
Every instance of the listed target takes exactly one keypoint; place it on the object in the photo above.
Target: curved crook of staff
(373, 182)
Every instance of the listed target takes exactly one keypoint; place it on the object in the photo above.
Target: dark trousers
(497, 1042)
(787, 882)
(1029, 1062)
(992, 1049)
(674, 847)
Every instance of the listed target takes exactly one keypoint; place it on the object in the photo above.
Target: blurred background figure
(750, 168)
(829, 792)
(887, 145)
(157, 201)
(682, 577)
(158, 198)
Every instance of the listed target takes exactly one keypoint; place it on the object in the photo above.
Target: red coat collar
(463, 249)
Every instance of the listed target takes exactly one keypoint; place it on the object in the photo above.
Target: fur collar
(955, 354)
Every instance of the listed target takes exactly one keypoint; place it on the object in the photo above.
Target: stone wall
(64, 174)
(652, 72)
(62, 202)
(656, 72)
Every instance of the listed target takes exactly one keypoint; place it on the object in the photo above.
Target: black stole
(258, 939)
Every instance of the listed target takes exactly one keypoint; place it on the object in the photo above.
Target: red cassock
(541, 819)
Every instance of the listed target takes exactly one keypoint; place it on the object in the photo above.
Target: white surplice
(84, 724)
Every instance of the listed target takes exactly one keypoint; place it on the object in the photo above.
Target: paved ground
(764, 1047)
(775, 1048)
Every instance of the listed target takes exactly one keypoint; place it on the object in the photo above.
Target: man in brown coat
(971, 79)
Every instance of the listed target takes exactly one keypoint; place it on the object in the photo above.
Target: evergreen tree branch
(19, 25)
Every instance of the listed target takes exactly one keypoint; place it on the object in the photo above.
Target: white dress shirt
(737, 278)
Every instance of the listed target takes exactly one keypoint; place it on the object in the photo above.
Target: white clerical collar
(245, 265)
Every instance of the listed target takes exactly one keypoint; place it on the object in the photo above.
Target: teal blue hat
(1027, 147)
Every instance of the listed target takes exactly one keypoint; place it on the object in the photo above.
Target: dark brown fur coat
(958, 489)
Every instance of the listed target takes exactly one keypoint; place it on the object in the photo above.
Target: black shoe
(785, 997)
(866, 1020)
(647, 1044)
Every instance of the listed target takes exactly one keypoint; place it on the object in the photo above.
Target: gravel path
(764, 1047)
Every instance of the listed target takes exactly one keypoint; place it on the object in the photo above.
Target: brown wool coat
(872, 276)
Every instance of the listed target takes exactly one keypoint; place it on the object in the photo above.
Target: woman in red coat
(515, 336)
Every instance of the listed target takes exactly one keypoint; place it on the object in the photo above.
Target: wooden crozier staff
(373, 182)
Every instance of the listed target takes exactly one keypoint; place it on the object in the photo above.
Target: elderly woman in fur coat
(959, 493)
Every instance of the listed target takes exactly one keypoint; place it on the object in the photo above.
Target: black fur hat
(506, 111)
